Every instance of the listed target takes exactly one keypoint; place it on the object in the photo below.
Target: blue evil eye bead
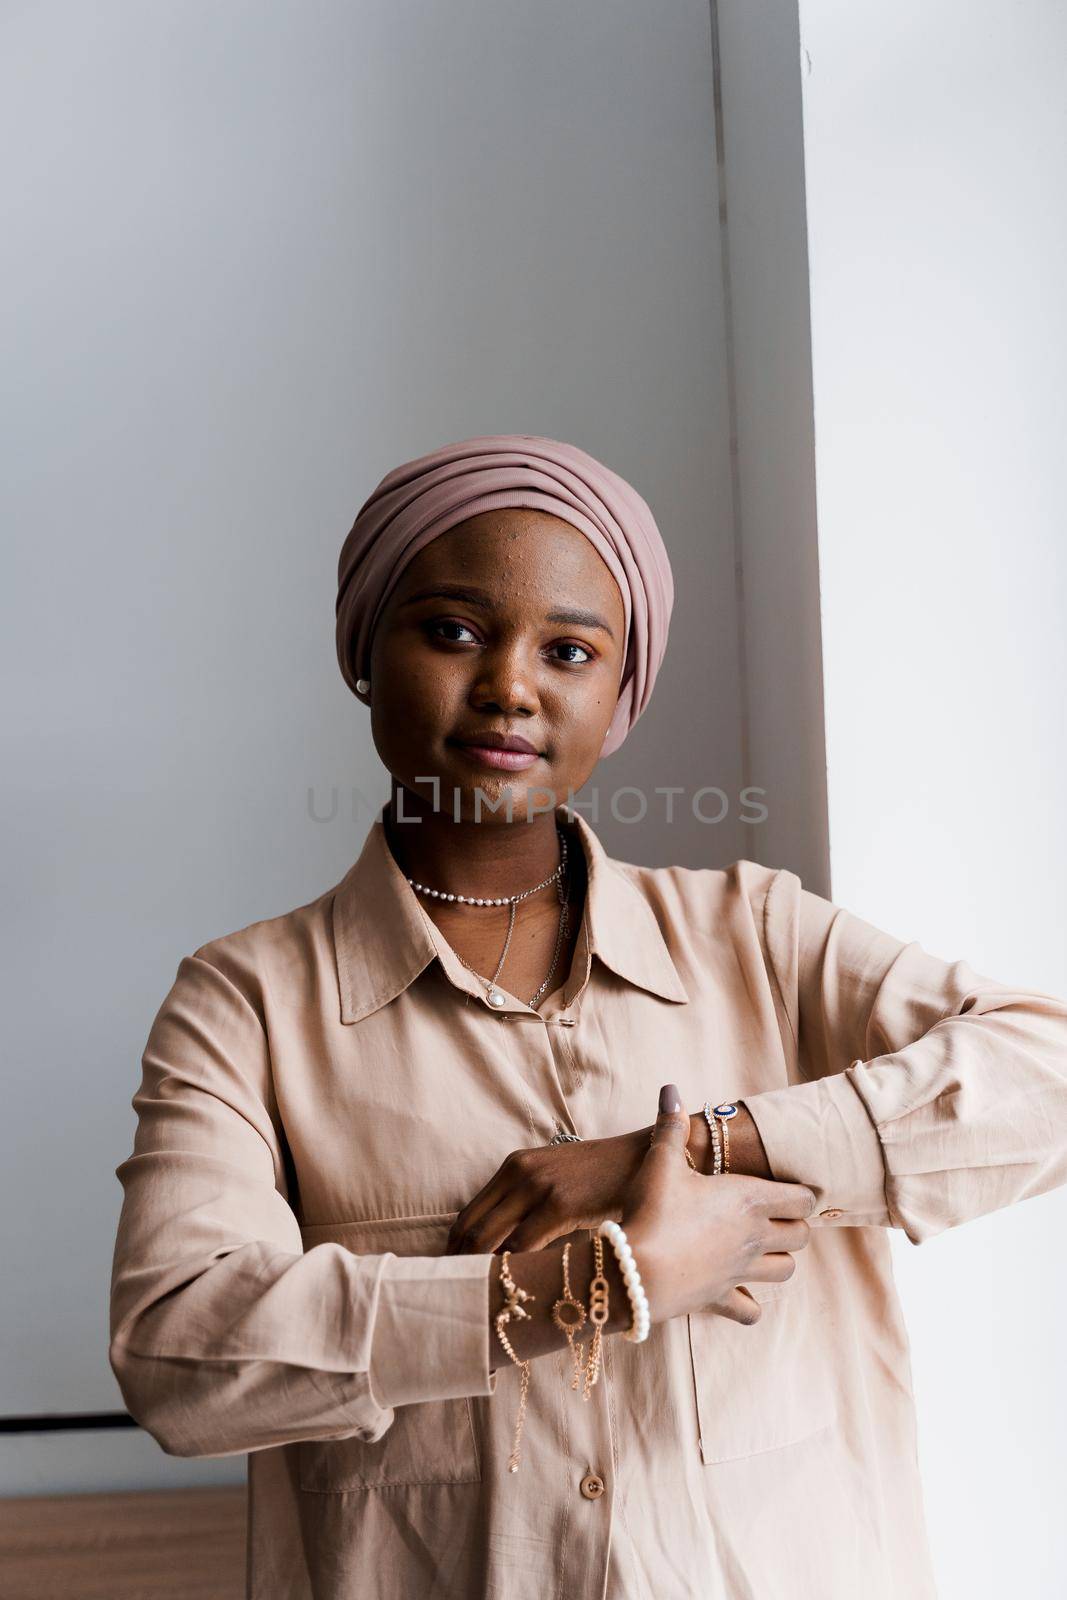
(726, 1110)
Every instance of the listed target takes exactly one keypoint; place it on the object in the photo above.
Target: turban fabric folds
(425, 497)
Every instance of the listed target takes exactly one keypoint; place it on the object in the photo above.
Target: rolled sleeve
(955, 1102)
(431, 1333)
(821, 1134)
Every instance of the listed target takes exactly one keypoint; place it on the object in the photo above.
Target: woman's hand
(697, 1238)
(542, 1194)
(539, 1195)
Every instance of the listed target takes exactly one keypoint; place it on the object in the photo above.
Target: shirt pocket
(430, 1442)
(768, 1385)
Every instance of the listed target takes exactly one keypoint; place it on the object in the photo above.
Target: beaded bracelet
(637, 1332)
(718, 1117)
(716, 1141)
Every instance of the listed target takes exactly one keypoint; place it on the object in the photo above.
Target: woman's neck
(487, 858)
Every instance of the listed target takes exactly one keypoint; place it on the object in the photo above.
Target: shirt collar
(383, 939)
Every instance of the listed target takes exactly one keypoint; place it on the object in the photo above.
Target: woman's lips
(487, 755)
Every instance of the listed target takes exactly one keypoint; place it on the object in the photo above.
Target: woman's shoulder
(698, 909)
(746, 887)
(256, 954)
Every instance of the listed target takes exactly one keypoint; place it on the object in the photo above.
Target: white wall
(764, 250)
(935, 144)
(256, 254)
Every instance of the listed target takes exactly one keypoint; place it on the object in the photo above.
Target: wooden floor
(182, 1544)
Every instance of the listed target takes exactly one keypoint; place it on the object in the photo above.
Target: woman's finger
(781, 1199)
(483, 1201)
(526, 1179)
(492, 1227)
(739, 1306)
(771, 1267)
(786, 1235)
(488, 1196)
(544, 1226)
(670, 1131)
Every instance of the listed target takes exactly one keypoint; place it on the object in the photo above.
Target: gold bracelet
(599, 1290)
(688, 1152)
(569, 1315)
(723, 1114)
(514, 1308)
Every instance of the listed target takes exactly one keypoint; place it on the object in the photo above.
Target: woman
(378, 1134)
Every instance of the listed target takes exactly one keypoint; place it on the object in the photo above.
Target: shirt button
(592, 1486)
(831, 1211)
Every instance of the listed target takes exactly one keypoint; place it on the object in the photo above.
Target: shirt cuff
(820, 1133)
(431, 1330)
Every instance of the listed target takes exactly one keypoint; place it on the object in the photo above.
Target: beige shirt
(323, 1091)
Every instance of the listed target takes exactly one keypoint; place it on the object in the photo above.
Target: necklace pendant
(497, 997)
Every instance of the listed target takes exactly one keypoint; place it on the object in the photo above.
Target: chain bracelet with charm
(514, 1308)
(569, 1316)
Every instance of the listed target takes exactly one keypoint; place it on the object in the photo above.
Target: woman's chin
(485, 792)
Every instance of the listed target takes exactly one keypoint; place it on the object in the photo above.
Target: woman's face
(509, 624)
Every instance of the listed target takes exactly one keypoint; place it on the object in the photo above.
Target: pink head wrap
(425, 497)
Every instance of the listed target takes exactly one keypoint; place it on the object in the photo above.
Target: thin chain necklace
(496, 997)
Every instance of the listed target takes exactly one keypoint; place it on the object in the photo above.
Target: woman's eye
(582, 656)
(459, 627)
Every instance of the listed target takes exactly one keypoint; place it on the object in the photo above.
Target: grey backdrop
(255, 256)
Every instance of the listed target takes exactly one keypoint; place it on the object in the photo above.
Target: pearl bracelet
(642, 1316)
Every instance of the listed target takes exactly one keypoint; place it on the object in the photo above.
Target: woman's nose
(506, 684)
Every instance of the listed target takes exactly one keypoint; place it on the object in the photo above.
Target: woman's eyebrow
(480, 597)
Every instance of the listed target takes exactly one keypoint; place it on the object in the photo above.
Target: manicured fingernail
(669, 1098)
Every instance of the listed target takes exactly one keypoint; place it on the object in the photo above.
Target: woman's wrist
(747, 1154)
(540, 1273)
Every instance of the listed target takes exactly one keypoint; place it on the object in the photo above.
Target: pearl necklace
(496, 997)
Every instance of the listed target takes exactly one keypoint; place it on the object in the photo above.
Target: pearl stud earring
(363, 685)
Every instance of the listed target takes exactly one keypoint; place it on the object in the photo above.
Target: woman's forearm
(540, 1273)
